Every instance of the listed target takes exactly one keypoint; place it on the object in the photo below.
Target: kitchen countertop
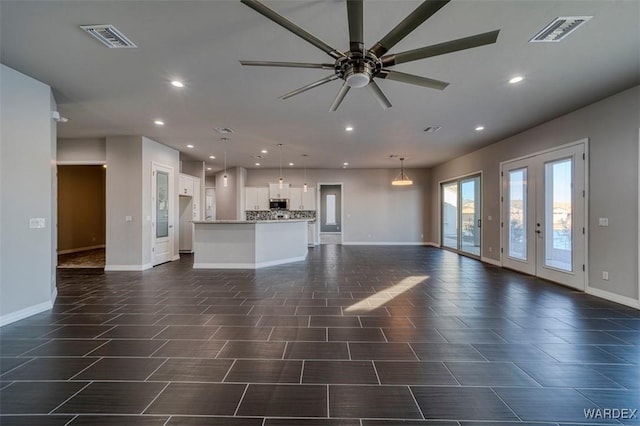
(199, 222)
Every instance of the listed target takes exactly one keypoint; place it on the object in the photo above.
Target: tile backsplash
(286, 214)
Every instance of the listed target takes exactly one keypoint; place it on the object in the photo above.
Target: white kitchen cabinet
(256, 198)
(186, 185)
(276, 192)
(295, 199)
(300, 200)
(312, 234)
(309, 199)
(190, 210)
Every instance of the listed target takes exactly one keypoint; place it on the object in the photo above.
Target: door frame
(319, 208)
(170, 198)
(458, 178)
(585, 143)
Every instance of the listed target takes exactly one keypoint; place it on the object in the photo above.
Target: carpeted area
(83, 259)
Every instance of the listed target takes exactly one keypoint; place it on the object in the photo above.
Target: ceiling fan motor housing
(357, 70)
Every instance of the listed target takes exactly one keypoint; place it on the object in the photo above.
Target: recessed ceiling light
(257, 164)
(189, 146)
(516, 79)
(479, 128)
(177, 83)
(158, 122)
(213, 157)
(264, 151)
(291, 164)
(349, 128)
(345, 164)
(209, 168)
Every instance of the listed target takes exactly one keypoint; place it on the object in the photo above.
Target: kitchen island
(236, 244)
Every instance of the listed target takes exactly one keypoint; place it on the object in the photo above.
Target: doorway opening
(330, 213)
(460, 215)
(81, 216)
(544, 215)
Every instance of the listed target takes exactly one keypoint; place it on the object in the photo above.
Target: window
(331, 209)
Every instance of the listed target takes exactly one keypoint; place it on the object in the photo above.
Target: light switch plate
(36, 222)
(603, 221)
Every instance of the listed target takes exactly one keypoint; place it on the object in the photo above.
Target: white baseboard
(26, 312)
(431, 244)
(76, 250)
(128, 267)
(176, 257)
(384, 243)
(248, 265)
(623, 300)
(491, 261)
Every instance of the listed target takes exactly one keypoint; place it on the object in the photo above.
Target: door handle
(538, 231)
(479, 222)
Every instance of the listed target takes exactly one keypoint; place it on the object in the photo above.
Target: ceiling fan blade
(355, 14)
(287, 64)
(287, 24)
(380, 97)
(441, 49)
(412, 79)
(340, 96)
(408, 24)
(309, 86)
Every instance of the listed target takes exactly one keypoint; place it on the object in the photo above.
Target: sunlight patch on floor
(382, 297)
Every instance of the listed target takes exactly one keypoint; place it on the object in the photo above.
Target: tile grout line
(68, 399)
(156, 397)
(246, 388)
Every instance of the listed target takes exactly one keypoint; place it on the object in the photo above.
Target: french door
(460, 215)
(543, 215)
(162, 213)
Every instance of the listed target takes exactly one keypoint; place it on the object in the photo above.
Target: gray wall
(82, 151)
(374, 210)
(612, 128)
(228, 203)
(27, 185)
(124, 198)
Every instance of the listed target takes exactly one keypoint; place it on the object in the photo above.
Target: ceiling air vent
(109, 35)
(432, 129)
(224, 130)
(560, 28)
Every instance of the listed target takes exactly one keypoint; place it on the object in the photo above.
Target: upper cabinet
(279, 193)
(301, 200)
(186, 185)
(256, 198)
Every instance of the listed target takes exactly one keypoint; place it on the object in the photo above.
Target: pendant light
(304, 187)
(402, 179)
(281, 181)
(225, 179)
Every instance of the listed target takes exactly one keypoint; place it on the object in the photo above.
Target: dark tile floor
(354, 336)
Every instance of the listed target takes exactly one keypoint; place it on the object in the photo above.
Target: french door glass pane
(162, 204)
(331, 209)
(558, 209)
(518, 214)
(450, 215)
(470, 238)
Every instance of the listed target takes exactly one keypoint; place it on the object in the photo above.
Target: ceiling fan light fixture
(358, 80)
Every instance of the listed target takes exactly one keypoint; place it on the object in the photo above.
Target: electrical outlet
(490, 249)
(605, 275)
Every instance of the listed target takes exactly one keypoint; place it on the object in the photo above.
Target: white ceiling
(121, 91)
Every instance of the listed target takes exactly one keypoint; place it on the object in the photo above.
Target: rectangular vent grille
(432, 129)
(560, 28)
(224, 130)
(109, 35)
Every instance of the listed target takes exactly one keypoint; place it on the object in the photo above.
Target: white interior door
(162, 214)
(543, 217)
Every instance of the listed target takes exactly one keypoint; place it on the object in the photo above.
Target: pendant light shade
(304, 187)
(402, 179)
(225, 179)
(281, 180)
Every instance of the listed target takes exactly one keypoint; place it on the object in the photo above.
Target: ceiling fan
(359, 66)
